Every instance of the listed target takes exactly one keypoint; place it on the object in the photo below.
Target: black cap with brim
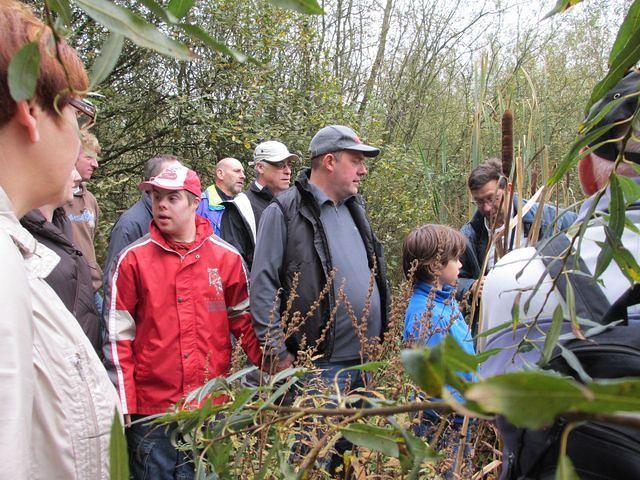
(625, 104)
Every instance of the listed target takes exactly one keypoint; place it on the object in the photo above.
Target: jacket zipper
(92, 409)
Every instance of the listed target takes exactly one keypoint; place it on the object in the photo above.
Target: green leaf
(241, 399)
(195, 31)
(22, 74)
(383, 440)
(571, 307)
(622, 256)
(424, 366)
(287, 372)
(576, 152)
(279, 392)
(120, 20)
(118, 455)
(366, 367)
(61, 7)
(107, 60)
(552, 335)
(574, 363)
(630, 25)
(604, 260)
(527, 399)
(561, 6)
(565, 470)
(241, 373)
(630, 189)
(625, 59)
(616, 206)
(180, 8)
(611, 396)
(302, 6)
(159, 11)
(457, 359)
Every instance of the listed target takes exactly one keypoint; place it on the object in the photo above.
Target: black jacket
(307, 252)
(71, 278)
(234, 228)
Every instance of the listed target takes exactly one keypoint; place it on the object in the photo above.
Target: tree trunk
(377, 63)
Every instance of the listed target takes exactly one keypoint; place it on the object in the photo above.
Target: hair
(56, 82)
(191, 198)
(316, 162)
(89, 142)
(484, 173)
(153, 166)
(430, 247)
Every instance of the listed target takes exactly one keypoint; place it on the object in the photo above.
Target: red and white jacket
(169, 316)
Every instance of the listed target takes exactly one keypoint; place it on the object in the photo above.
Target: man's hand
(277, 364)
(285, 362)
(127, 420)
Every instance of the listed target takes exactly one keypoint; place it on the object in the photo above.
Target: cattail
(507, 142)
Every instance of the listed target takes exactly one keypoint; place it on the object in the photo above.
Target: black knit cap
(623, 110)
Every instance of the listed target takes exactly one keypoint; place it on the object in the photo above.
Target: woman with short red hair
(56, 401)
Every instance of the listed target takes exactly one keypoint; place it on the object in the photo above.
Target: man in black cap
(306, 233)
(514, 281)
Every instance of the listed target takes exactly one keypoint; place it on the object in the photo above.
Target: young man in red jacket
(174, 298)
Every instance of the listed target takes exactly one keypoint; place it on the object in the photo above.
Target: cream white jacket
(56, 400)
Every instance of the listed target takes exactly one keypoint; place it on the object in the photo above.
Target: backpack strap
(619, 309)
(591, 303)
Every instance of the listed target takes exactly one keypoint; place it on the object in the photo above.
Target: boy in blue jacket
(434, 252)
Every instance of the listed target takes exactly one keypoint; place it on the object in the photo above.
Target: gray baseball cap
(338, 137)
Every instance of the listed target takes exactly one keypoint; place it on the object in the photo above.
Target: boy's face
(449, 273)
(172, 213)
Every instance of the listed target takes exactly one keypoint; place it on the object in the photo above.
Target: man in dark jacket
(71, 277)
(315, 241)
(272, 161)
(312, 228)
(487, 187)
(134, 223)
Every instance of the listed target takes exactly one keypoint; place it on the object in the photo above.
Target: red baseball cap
(176, 177)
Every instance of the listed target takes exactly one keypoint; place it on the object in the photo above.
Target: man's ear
(329, 162)
(219, 174)
(587, 176)
(25, 115)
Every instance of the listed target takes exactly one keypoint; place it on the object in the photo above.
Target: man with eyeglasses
(487, 186)
(272, 163)
(83, 210)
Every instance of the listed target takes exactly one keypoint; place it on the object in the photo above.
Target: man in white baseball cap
(272, 162)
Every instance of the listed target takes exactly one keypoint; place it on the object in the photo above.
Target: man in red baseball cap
(174, 298)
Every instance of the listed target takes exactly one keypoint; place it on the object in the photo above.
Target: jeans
(449, 439)
(153, 457)
(352, 379)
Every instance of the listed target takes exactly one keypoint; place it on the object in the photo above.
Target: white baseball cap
(272, 152)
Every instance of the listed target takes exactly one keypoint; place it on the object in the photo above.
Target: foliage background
(426, 80)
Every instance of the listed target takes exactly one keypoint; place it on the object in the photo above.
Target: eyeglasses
(86, 110)
(492, 200)
(280, 165)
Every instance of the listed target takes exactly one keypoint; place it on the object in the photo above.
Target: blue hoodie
(446, 319)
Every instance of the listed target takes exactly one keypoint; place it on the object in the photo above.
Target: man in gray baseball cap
(308, 231)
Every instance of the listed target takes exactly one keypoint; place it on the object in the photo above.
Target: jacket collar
(203, 231)
(146, 201)
(263, 192)
(39, 260)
